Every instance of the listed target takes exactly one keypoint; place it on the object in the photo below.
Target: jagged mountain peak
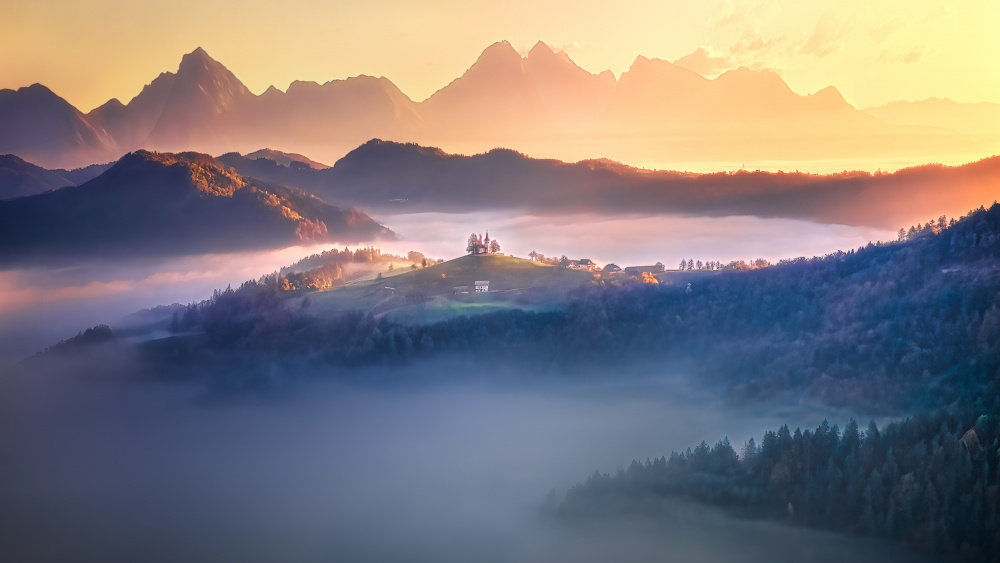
(830, 94)
(544, 53)
(199, 66)
(541, 49)
(498, 56)
(113, 103)
(198, 57)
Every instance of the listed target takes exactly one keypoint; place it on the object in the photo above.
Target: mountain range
(171, 204)
(542, 104)
(391, 177)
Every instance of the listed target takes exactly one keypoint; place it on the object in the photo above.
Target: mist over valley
(714, 282)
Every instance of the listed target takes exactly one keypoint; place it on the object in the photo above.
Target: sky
(874, 52)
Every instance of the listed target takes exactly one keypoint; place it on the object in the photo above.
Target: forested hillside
(931, 481)
(170, 204)
(891, 327)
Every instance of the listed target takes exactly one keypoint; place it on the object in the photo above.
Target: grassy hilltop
(428, 294)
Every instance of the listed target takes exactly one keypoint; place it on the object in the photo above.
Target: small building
(461, 289)
(482, 286)
(612, 269)
(585, 264)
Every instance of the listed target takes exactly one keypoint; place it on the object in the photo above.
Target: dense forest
(931, 481)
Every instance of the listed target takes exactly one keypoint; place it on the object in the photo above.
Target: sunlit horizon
(873, 54)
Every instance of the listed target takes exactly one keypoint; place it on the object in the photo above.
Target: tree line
(930, 481)
(713, 265)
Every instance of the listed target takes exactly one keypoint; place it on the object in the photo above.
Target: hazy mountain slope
(157, 203)
(495, 95)
(20, 178)
(662, 109)
(130, 125)
(328, 119)
(198, 112)
(204, 106)
(541, 104)
(575, 99)
(977, 120)
(43, 128)
(285, 158)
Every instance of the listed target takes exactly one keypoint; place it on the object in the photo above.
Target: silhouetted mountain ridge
(162, 204)
(392, 177)
(20, 178)
(541, 104)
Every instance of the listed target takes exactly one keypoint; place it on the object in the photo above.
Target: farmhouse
(585, 264)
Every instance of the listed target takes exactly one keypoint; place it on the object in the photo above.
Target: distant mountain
(43, 128)
(165, 204)
(496, 94)
(395, 177)
(286, 158)
(661, 108)
(19, 178)
(574, 98)
(517, 100)
(975, 120)
(203, 99)
(541, 104)
(192, 109)
(336, 115)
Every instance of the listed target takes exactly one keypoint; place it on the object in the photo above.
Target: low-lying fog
(98, 470)
(94, 469)
(39, 307)
(632, 239)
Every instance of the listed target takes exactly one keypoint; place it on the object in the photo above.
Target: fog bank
(39, 307)
(629, 239)
(97, 470)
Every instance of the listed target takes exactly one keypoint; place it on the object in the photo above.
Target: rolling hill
(432, 294)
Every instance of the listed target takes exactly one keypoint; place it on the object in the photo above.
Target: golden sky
(873, 51)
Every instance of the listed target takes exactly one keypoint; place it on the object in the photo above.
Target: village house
(483, 286)
(585, 264)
